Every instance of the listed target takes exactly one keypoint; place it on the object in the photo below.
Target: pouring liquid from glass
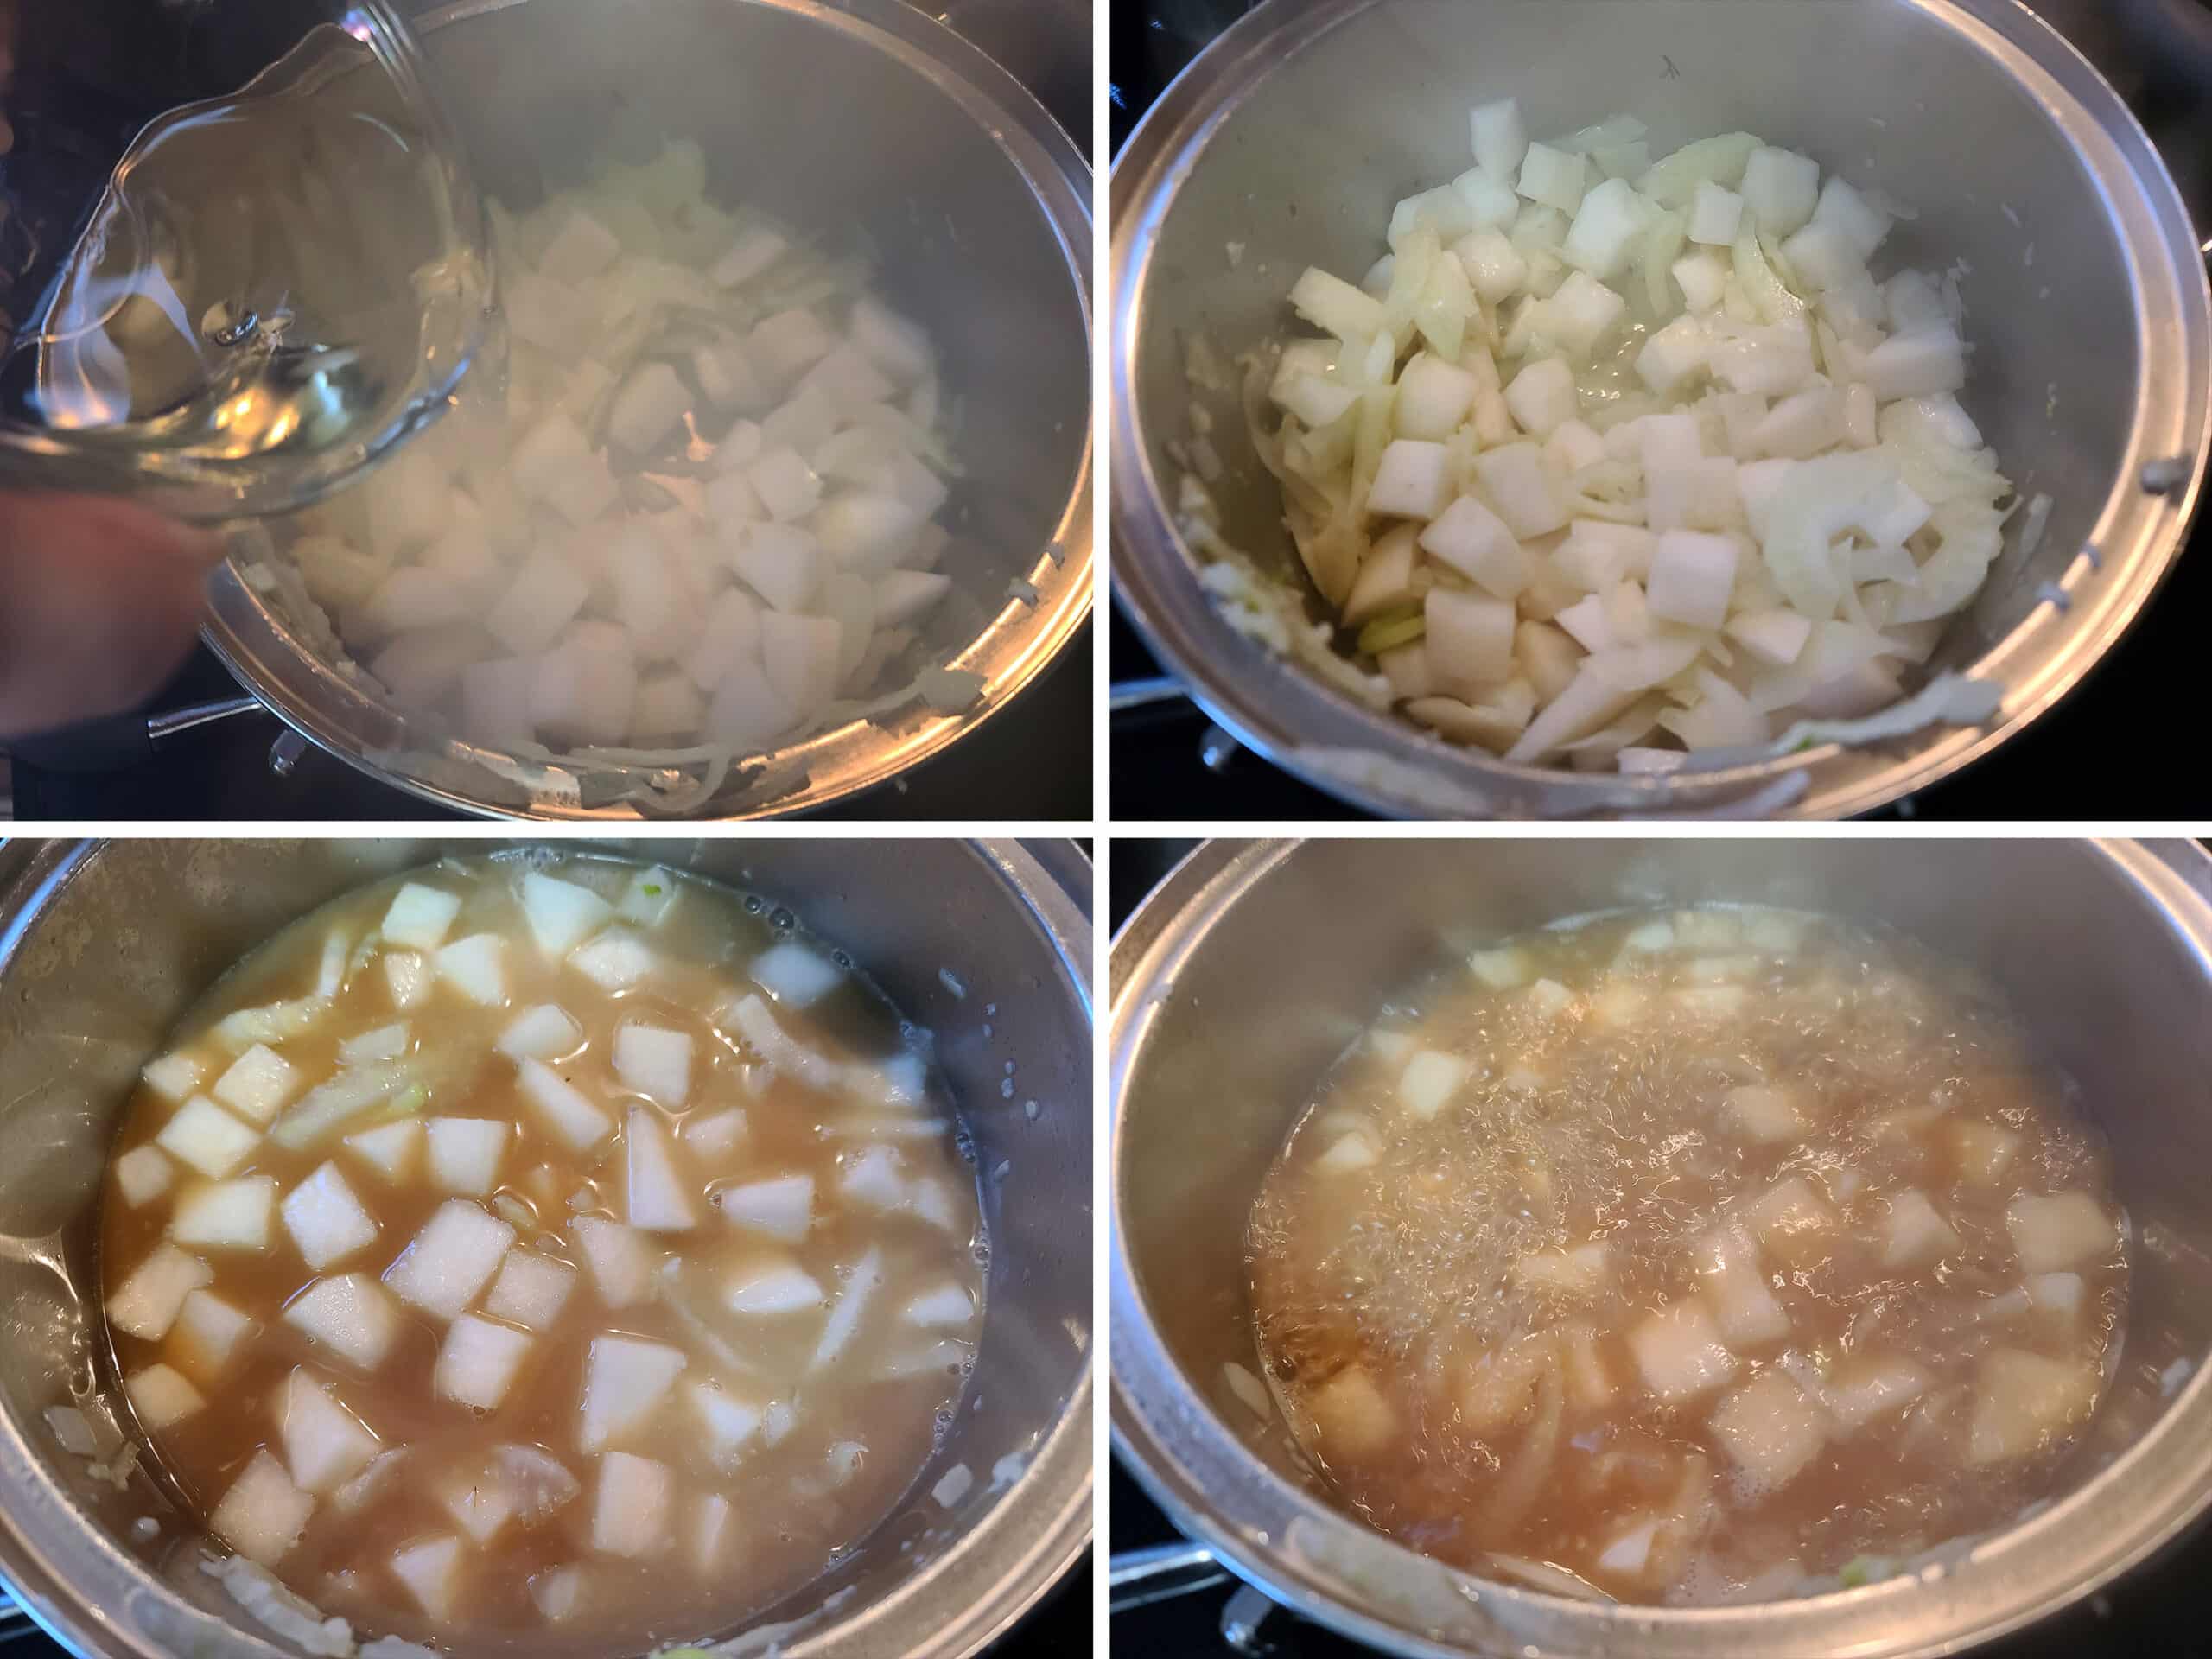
(273, 288)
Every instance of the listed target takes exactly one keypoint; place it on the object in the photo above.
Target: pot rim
(1013, 1556)
(1384, 764)
(1218, 1493)
(1013, 650)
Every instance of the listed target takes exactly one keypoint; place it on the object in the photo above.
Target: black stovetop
(2075, 762)
(2162, 1611)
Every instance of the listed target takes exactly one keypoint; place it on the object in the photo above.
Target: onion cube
(1703, 278)
(544, 597)
(1469, 639)
(852, 1305)
(477, 1361)
(2024, 1399)
(1776, 637)
(647, 409)
(543, 1033)
(553, 450)
(620, 1264)
(161, 1396)
(257, 1084)
(800, 656)
(146, 1303)
(1542, 395)
(1922, 363)
(1429, 1081)
(1716, 215)
(207, 1138)
(226, 1215)
(143, 1174)
(781, 562)
(530, 1290)
(753, 252)
(648, 896)
(1335, 307)
(892, 343)
(715, 1135)
(903, 596)
(1519, 487)
(427, 1568)
(207, 1332)
(1582, 312)
(1781, 187)
(1414, 479)
(325, 1445)
(771, 1289)
(1554, 177)
(1913, 1234)
(728, 1421)
(563, 1109)
(2063, 1231)
(1679, 1352)
(1736, 1289)
(1352, 1412)
(1692, 575)
(1773, 360)
(326, 1220)
(263, 1513)
(1982, 1152)
(557, 1592)
(465, 1153)
(1673, 354)
(407, 978)
(1843, 209)
(582, 690)
(796, 974)
(580, 250)
(731, 635)
(789, 343)
(351, 1315)
(875, 1180)
(626, 1379)
(655, 1198)
(787, 486)
(866, 529)
(782, 1208)
(731, 501)
(1434, 397)
(172, 1076)
(1500, 139)
(615, 961)
(1608, 221)
(476, 968)
(1858, 1390)
(655, 1061)
(631, 1516)
(1770, 1430)
(1496, 269)
(388, 1148)
(450, 1260)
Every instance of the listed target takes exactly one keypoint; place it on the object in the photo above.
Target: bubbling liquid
(1689, 1257)
(558, 1252)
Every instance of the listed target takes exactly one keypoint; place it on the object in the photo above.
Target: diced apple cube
(1352, 1415)
(796, 974)
(1860, 1389)
(207, 1138)
(2024, 1399)
(1771, 1429)
(566, 1111)
(620, 1262)
(1790, 1221)
(543, 1032)
(419, 917)
(351, 1315)
(557, 1592)
(407, 977)
(782, 1208)
(262, 1514)
(391, 1147)
(465, 1153)
(1679, 1352)
(172, 1076)
(258, 1083)
(656, 1200)
(226, 1215)
(562, 915)
(655, 1062)
(728, 1421)
(2063, 1231)
(479, 1503)
(530, 1290)
(631, 1517)
(207, 1331)
(1580, 1272)
(429, 1568)
(326, 1220)
(875, 1180)
(646, 900)
(161, 1396)
(451, 1259)
(715, 1135)
(615, 961)
(476, 967)
(325, 1445)
(1430, 1080)
(477, 1361)
(626, 1379)
(143, 1174)
(1735, 1287)
(1913, 1234)
(1764, 1113)
(771, 1288)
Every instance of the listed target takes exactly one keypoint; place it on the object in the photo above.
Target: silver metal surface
(1243, 975)
(104, 944)
(1292, 133)
(865, 116)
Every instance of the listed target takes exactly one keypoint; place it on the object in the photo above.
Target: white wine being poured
(273, 286)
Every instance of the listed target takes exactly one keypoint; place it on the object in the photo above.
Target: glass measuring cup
(240, 256)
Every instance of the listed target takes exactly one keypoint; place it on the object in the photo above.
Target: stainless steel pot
(1295, 129)
(104, 944)
(1247, 971)
(865, 115)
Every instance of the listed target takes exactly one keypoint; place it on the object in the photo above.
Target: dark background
(2085, 758)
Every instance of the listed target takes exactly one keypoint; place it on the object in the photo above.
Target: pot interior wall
(131, 931)
(1304, 168)
(1279, 983)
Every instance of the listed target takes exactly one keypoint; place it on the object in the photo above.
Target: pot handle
(1139, 1578)
(121, 741)
(15, 1624)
